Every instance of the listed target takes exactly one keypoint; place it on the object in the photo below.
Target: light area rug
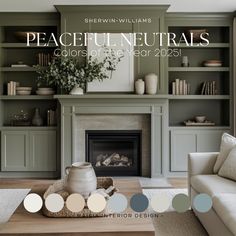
(152, 183)
(178, 224)
(172, 223)
(10, 199)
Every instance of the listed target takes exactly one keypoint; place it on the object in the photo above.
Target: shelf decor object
(139, 87)
(180, 87)
(66, 72)
(151, 82)
(194, 35)
(122, 78)
(194, 123)
(37, 119)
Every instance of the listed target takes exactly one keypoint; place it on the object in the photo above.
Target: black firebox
(114, 152)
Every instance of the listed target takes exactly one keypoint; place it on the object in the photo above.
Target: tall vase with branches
(67, 72)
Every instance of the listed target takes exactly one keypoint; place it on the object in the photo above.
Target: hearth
(114, 152)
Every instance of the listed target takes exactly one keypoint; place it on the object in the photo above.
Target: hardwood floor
(178, 182)
(28, 183)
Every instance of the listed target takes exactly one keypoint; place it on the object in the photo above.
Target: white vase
(77, 90)
(151, 82)
(81, 178)
(139, 86)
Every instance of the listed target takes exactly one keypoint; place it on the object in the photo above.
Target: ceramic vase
(37, 119)
(81, 178)
(139, 86)
(77, 90)
(151, 82)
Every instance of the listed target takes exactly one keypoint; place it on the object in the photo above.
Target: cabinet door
(209, 141)
(43, 150)
(15, 151)
(182, 143)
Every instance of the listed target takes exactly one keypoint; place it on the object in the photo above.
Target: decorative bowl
(23, 88)
(200, 119)
(23, 92)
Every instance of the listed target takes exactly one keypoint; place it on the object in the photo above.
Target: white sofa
(221, 219)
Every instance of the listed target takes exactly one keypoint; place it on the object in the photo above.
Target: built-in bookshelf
(197, 89)
(14, 49)
(26, 149)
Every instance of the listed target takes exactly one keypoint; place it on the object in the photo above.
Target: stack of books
(209, 88)
(11, 88)
(43, 59)
(180, 87)
(51, 118)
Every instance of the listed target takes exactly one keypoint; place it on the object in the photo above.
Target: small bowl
(200, 119)
(23, 88)
(23, 92)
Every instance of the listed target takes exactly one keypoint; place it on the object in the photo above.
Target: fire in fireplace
(114, 152)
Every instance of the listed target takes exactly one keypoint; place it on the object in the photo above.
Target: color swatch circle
(117, 203)
(160, 202)
(139, 202)
(181, 203)
(54, 202)
(75, 202)
(33, 202)
(96, 203)
(202, 203)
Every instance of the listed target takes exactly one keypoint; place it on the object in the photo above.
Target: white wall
(175, 5)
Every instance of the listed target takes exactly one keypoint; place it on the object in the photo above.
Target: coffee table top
(27, 223)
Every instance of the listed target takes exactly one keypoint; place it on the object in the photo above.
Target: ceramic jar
(139, 86)
(77, 90)
(81, 178)
(37, 119)
(151, 82)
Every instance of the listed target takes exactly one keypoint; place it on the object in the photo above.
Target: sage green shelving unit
(26, 151)
(217, 108)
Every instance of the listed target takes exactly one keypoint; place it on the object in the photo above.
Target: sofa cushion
(228, 169)
(227, 143)
(225, 206)
(212, 184)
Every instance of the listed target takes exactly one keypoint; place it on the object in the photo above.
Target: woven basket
(58, 187)
(196, 35)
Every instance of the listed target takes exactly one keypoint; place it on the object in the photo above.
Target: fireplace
(114, 152)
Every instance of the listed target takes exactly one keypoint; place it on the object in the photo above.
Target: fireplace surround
(74, 107)
(114, 152)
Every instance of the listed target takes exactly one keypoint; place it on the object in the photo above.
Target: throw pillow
(228, 169)
(227, 143)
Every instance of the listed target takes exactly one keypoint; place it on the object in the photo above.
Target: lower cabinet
(28, 150)
(185, 141)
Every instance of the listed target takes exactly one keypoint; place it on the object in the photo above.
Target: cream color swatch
(96, 203)
(75, 202)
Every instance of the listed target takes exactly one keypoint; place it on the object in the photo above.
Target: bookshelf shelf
(200, 97)
(24, 45)
(29, 97)
(199, 69)
(17, 69)
(195, 46)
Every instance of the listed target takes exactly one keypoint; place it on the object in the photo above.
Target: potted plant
(68, 74)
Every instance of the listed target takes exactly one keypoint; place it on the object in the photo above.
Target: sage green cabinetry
(184, 141)
(43, 150)
(15, 151)
(28, 150)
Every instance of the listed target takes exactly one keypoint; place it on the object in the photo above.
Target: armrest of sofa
(200, 163)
